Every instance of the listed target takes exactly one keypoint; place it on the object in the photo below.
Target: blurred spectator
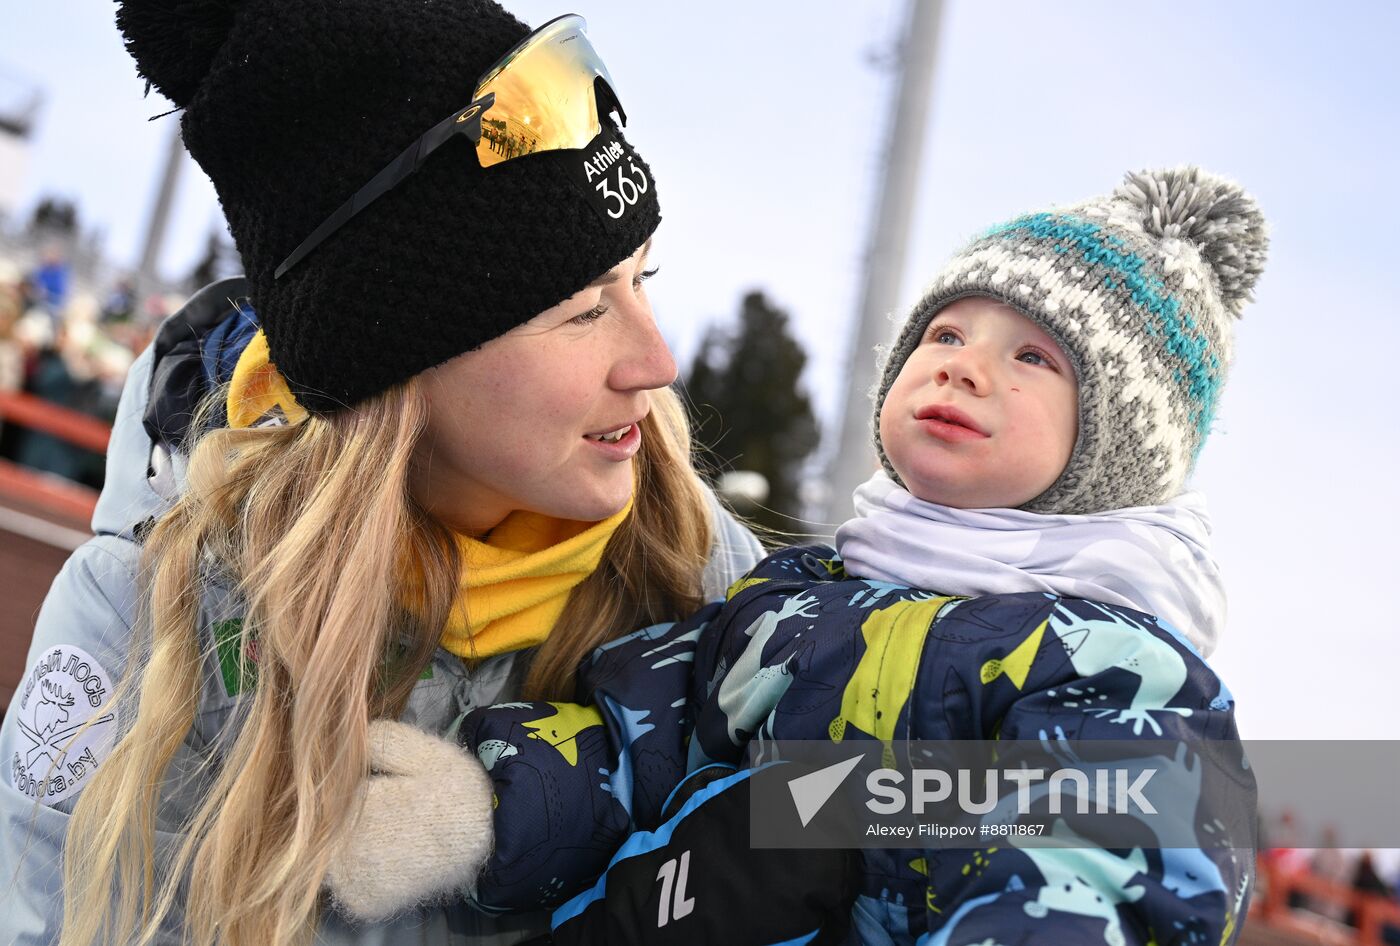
(1335, 865)
(31, 333)
(132, 336)
(120, 306)
(1279, 831)
(67, 343)
(1278, 847)
(52, 381)
(50, 280)
(1367, 880)
(156, 307)
(11, 352)
(78, 367)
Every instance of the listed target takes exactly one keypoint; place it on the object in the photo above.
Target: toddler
(1027, 542)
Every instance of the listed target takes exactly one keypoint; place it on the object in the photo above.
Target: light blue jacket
(81, 647)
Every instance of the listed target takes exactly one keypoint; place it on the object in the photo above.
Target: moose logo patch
(54, 751)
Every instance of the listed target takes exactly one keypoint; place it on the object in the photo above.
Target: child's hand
(425, 829)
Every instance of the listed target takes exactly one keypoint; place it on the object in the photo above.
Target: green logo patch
(241, 674)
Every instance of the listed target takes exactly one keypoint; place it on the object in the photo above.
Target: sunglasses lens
(545, 98)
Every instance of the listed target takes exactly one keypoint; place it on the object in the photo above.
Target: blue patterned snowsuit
(800, 651)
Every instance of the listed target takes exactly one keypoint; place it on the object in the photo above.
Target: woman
(444, 470)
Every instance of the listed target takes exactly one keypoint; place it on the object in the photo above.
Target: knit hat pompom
(1213, 213)
(174, 41)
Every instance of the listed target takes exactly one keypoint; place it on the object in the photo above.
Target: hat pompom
(1213, 213)
(174, 41)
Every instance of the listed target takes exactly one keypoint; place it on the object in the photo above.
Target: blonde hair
(299, 515)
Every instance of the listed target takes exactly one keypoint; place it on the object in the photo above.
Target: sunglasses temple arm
(379, 185)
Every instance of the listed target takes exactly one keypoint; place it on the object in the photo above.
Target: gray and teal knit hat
(1141, 289)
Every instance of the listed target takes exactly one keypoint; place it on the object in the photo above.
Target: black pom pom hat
(290, 106)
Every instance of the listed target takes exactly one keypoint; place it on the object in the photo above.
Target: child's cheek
(890, 435)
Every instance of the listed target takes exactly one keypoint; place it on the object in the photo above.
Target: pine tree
(749, 409)
(206, 270)
(220, 259)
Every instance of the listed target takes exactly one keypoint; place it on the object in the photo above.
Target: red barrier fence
(43, 517)
(1298, 903)
(70, 503)
(66, 424)
(52, 497)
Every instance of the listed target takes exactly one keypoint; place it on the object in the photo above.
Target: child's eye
(937, 336)
(1040, 359)
(644, 276)
(592, 315)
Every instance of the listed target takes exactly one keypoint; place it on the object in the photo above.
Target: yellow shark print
(1017, 664)
(880, 685)
(741, 584)
(561, 730)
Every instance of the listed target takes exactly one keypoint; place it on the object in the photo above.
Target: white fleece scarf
(1154, 559)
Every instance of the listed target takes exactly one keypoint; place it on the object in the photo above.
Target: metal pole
(854, 458)
(148, 274)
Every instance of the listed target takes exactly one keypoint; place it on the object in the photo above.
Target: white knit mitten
(425, 829)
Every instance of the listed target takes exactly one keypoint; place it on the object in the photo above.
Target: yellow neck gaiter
(258, 394)
(514, 582)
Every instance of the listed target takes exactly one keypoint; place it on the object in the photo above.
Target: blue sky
(764, 124)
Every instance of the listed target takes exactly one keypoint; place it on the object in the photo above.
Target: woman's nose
(646, 362)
